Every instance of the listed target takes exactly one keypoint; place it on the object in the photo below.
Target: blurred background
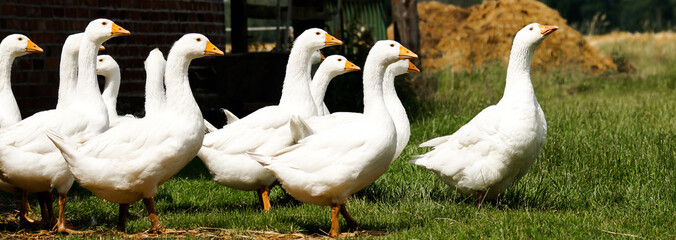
(449, 35)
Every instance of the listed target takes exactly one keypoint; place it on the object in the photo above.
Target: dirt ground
(9, 229)
(463, 38)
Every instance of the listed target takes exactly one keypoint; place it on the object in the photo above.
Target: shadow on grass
(517, 196)
(195, 169)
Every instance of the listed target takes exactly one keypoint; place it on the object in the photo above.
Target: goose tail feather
(67, 150)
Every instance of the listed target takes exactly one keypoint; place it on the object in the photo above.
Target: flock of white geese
(318, 157)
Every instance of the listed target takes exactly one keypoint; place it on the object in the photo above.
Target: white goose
(265, 130)
(230, 117)
(331, 67)
(392, 102)
(327, 167)
(107, 67)
(155, 65)
(11, 47)
(316, 58)
(498, 146)
(128, 162)
(68, 70)
(394, 105)
(28, 160)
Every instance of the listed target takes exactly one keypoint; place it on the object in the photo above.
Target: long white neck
(179, 95)
(88, 93)
(296, 93)
(397, 112)
(67, 77)
(110, 91)
(518, 86)
(389, 91)
(9, 114)
(374, 71)
(320, 82)
(155, 96)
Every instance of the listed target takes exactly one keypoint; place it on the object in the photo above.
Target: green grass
(607, 169)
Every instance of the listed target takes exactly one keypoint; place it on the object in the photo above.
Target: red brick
(33, 12)
(52, 63)
(7, 10)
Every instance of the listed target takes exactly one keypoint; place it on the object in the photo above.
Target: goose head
(72, 43)
(102, 29)
(317, 57)
(402, 66)
(336, 65)
(316, 39)
(390, 51)
(19, 45)
(155, 57)
(532, 34)
(195, 45)
(106, 65)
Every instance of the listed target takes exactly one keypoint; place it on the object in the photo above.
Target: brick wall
(152, 24)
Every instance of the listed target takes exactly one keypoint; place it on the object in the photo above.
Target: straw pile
(461, 39)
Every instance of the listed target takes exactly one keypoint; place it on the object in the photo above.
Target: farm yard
(606, 170)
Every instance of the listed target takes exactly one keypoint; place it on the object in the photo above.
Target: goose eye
(104, 23)
(317, 33)
(100, 60)
(340, 60)
(531, 28)
(198, 39)
(20, 39)
(392, 45)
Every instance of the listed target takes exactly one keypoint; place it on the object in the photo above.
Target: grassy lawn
(607, 170)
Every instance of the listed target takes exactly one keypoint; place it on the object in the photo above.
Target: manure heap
(463, 38)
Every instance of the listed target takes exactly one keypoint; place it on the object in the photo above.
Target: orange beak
(320, 54)
(332, 41)
(212, 50)
(546, 30)
(412, 68)
(350, 67)
(119, 31)
(31, 47)
(102, 48)
(404, 53)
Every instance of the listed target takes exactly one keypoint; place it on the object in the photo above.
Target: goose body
(331, 67)
(328, 166)
(28, 160)
(498, 146)
(266, 130)
(129, 161)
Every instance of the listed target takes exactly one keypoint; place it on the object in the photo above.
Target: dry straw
(463, 38)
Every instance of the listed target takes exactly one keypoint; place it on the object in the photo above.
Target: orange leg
(335, 223)
(46, 210)
(61, 221)
(351, 223)
(24, 220)
(155, 225)
(122, 217)
(264, 197)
